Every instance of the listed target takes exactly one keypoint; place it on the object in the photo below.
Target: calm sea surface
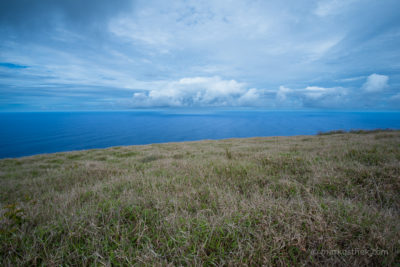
(23, 134)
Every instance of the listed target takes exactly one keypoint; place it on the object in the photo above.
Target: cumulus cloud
(316, 92)
(375, 83)
(282, 92)
(312, 96)
(311, 92)
(322, 97)
(199, 91)
(218, 92)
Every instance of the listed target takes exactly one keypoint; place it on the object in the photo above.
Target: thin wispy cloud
(134, 53)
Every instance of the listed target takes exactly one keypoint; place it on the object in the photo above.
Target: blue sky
(123, 54)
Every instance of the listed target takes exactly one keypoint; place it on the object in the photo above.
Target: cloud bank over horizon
(98, 55)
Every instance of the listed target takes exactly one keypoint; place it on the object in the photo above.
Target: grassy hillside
(304, 200)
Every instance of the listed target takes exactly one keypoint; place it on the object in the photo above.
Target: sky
(134, 54)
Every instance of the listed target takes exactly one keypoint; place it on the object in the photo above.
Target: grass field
(317, 200)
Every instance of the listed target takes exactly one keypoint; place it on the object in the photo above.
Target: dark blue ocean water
(23, 134)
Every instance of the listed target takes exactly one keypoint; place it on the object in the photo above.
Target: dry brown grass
(304, 200)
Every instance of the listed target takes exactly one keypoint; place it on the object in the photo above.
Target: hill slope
(325, 199)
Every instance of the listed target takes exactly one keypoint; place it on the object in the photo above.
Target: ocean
(30, 133)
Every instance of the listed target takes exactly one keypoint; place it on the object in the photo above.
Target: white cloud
(235, 36)
(323, 96)
(282, 92)
(312, 96)
(199, 91)
(251, 98)
(315, 92)
(375, 83)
